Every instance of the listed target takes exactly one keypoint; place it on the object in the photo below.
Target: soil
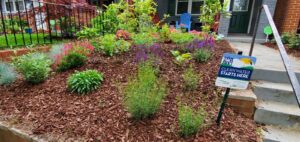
(51, 111)
(290, 51)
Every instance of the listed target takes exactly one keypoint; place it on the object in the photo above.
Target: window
(12, 5)
(240, 5)
(188, 6)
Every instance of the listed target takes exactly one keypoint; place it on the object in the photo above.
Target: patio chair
(185, 21)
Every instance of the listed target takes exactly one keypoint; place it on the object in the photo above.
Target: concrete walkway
(267, 58)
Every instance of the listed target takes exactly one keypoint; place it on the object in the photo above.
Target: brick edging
(6, 55)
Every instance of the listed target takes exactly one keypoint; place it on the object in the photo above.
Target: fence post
(19, 15)
(3, 24)
(11, 22)
(37, 31)
(28, 21)
(48, 17)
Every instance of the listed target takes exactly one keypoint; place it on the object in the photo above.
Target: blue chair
(185, 21)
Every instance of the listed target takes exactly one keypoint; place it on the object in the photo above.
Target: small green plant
(144, 94)
(87, 33)
(180, 38)
(202, 55)
(7, 74)
(181, 58)
(190, 121)
(72, 60)
(35, 67)
(285, 38)
(164, 33)
(145, 39)
(108, 44)
(190, 78)
(84, 82)
(294, 42)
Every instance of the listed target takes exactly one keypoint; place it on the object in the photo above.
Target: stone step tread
(279, 107)
(271, 85)
(280, 134)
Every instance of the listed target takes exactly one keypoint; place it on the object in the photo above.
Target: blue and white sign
(235, 71)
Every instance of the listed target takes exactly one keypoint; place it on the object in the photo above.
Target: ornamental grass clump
(84, 82)
(7, 74)
(202, 55)
(190, 121)
(145, 93)
(35, 67)
(191, 79)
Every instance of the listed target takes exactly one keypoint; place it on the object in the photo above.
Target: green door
(241, 10)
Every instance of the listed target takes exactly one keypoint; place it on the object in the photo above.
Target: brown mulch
(49, 108)
(291, 51)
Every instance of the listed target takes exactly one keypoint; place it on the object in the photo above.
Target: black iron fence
(34, 22)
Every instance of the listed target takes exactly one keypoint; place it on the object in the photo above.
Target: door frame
(250, 17)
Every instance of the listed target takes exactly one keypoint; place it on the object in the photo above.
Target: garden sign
(235, 71)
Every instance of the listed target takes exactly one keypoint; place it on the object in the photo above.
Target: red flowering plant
(83, 48)
(123, 34)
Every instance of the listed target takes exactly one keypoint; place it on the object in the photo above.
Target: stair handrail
(284, 56)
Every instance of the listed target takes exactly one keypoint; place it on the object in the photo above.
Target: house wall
(263, 21)
(287, 15)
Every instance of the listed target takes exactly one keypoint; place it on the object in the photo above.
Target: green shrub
(202, 55)
(72, 60)
(190, 78)
(87, 33)
(84, 82)
(164, 33)
(35, 67)
(285, 38)
(190, 121)
(144, 94)
(145, 39)
(110, 45)
(7, 74)
(181, 38)
(294, 42)
(122, 46)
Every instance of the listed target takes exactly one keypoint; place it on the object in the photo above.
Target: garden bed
(51, 111)
(291, 51)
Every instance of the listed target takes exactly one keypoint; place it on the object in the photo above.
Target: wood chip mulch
(49, 110)
(290, 51)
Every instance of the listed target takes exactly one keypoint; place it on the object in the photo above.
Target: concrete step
(272, 75)
(277, 113)
(277, 92)
(280, 134)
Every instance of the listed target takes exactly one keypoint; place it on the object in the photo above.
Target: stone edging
(11, 134)
(6, 55)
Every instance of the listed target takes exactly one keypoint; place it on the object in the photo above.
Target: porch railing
(42, 22)
(287, 64)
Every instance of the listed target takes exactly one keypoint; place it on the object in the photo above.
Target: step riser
(275, 118)
(268, 94)
(272, 76)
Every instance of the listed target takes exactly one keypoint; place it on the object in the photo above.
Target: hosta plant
(7, 74)
(181, 58)
(84, 82)
(35, 67)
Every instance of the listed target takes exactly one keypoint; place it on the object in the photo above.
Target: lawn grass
(36, 39)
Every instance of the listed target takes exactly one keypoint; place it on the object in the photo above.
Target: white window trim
(189, 8)
(14, 6)
(241, 10)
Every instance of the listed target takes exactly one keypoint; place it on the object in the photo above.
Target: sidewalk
(267, 58)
